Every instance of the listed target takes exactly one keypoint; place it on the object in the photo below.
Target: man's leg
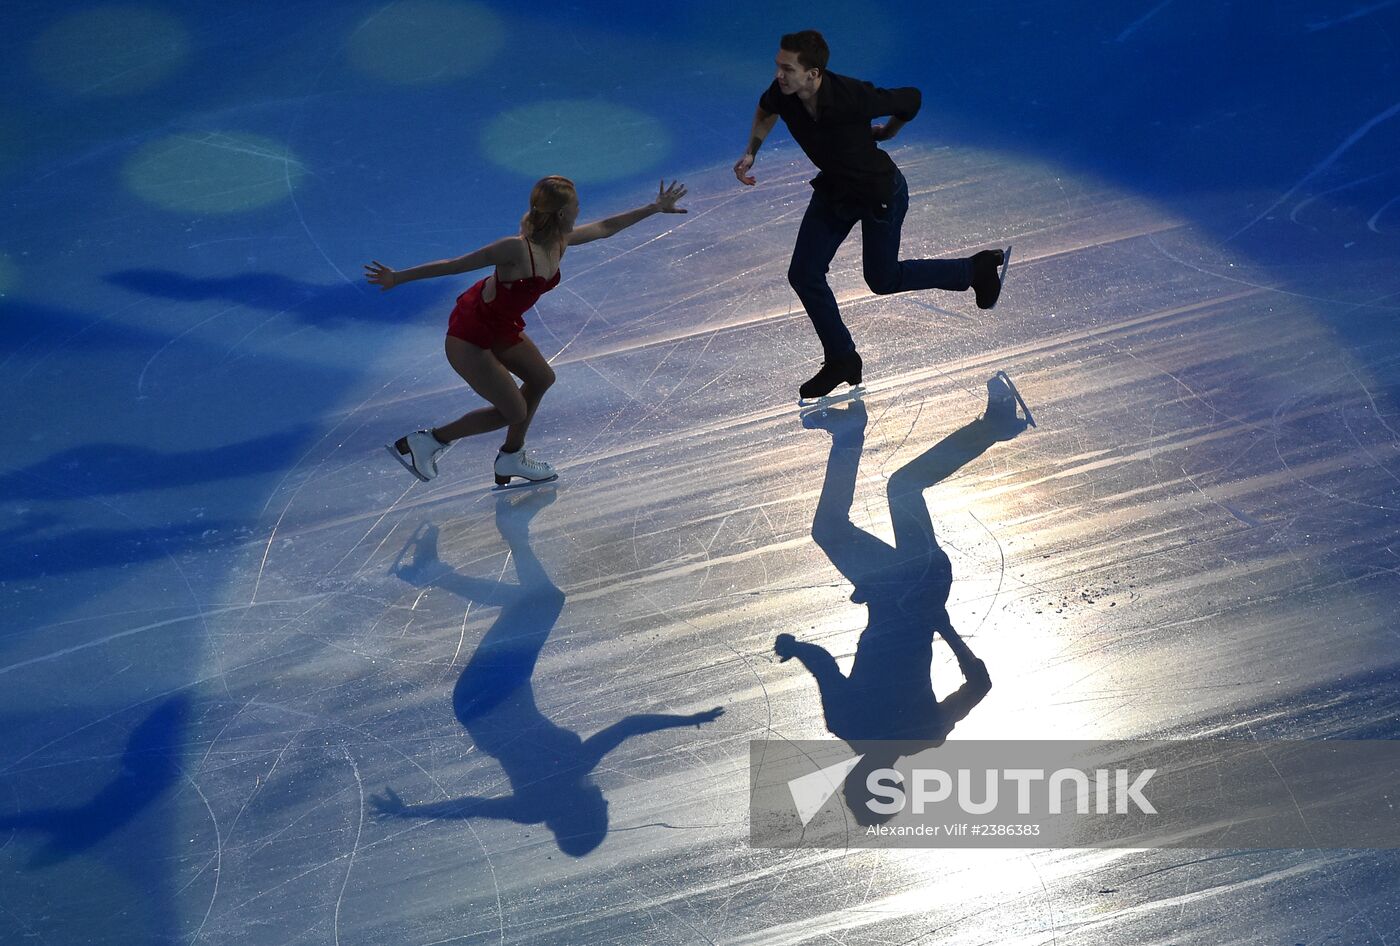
(885, 272)
(818, 239)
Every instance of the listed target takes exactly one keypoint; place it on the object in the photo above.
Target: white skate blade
(405, 463)
(1015, 393)
(808, 405)
(524, 482)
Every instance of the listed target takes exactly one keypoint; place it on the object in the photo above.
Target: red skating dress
(498, 323)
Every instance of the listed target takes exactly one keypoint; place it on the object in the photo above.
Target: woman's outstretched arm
(508, 808)
(601, 743)
(504, 250)
(665, 203)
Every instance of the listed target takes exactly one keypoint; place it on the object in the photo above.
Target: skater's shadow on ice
(58, 550)
(150, 765)
(35, 330)
(886, 708)
(549, 767)
(310, 302)
(102, 469)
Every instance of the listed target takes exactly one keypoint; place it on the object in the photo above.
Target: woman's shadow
(886, 708)
(149, 767)
(313, 303)
(549, 767)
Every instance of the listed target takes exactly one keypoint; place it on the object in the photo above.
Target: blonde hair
(548, 197)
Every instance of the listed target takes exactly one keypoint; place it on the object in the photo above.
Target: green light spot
(423, 41)
(9, 276)
(586, 140)
(213, 172)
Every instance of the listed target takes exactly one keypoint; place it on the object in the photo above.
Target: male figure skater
(829, 116)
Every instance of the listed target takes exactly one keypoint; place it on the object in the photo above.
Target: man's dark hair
(810, 48)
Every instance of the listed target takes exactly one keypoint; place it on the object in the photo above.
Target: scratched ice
(259, 686)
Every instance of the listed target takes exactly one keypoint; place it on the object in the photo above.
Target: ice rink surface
(260, 686)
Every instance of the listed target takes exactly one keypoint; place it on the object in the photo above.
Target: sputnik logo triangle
(810, 792)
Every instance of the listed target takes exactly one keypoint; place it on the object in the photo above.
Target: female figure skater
(486, 342)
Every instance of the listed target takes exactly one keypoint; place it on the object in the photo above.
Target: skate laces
(528, 462)
(522, 460)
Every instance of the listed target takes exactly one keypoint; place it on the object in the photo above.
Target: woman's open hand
(666, 197)
(381, 275)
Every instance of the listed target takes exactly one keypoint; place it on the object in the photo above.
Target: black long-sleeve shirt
(838, 141)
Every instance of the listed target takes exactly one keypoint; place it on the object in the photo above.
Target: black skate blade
(1030, 420)
(1001, 275)
(407, 464)
(815, 404)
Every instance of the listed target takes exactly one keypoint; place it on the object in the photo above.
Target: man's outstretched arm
(763, 123)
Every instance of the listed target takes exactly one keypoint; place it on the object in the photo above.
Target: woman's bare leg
(526, 363)
(489, 377)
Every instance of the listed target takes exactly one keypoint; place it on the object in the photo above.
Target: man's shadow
(886, 708)
(150, 765)
(549, 767)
